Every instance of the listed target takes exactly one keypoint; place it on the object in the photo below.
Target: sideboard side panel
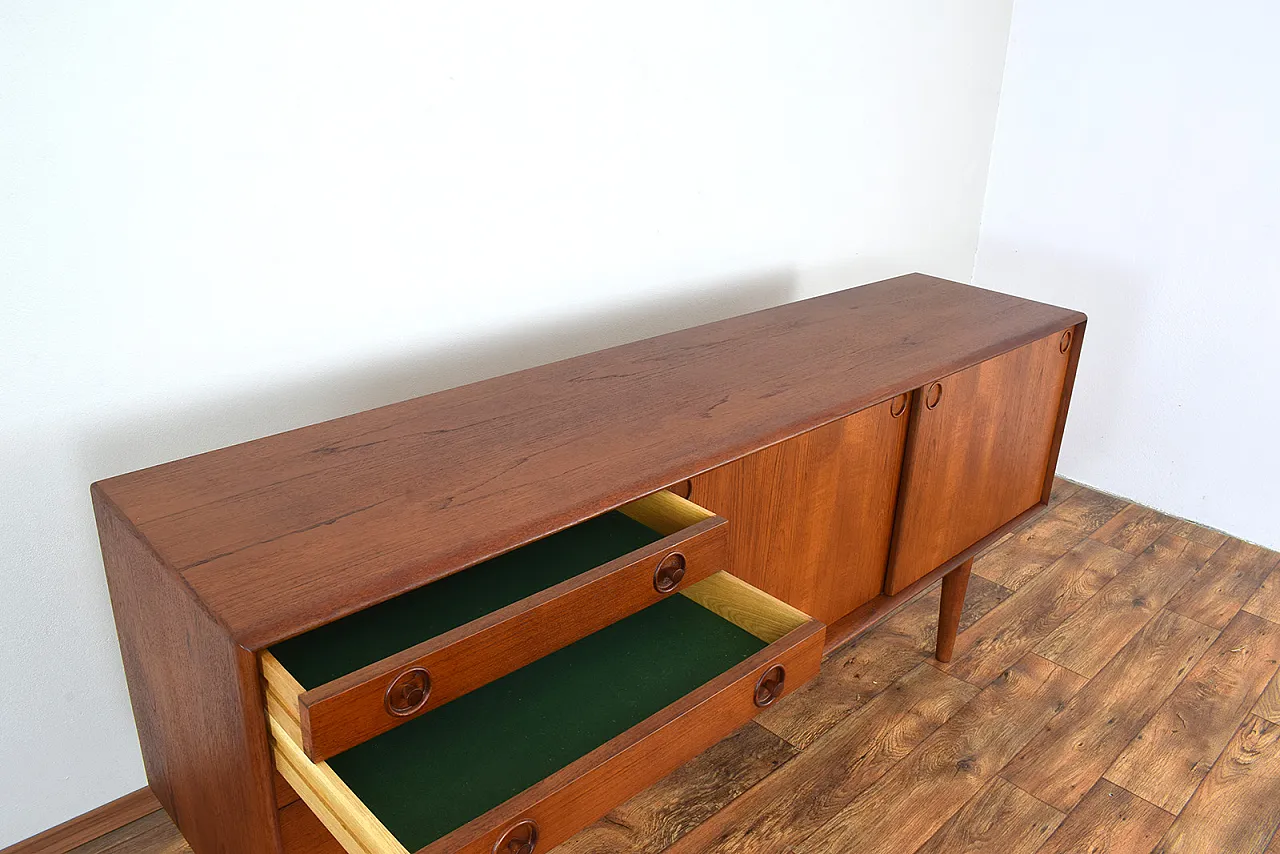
(197, 701)
(810, 518)
(1076, 343)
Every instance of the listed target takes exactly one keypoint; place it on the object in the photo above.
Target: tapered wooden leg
(954, 585)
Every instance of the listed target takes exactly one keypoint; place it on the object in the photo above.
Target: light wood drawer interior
(556, 744)
(369, 673)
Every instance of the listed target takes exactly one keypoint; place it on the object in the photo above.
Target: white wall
(1136, 176)
(221, 222)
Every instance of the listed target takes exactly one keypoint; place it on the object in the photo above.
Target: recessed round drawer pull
(898, 405)
(520, 838)
(1065, 344)
(409, 693)
(670, 572)
(769, 688)
(933, 396)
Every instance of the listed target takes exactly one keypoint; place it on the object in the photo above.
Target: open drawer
(365, 674)
(524, 762)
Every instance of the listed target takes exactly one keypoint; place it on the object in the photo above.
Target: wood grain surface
(656, 818)
(1266, 601)
(952, 765)
(880, 698)
(1091, 637)
(1227, 581)
(1133, 529)
(812, 789)
(1000, 819)
(205, 751)
(1046, 539)
(291, 531)
(1061, 764)
(1268, 705)
(350, 710)
(978, 458)
(1112, 820)
(811, 517)
(588, 788)
(1235, 808)
(1034, 610)
(1170, 756)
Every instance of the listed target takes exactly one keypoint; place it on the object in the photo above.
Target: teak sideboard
(477, 620)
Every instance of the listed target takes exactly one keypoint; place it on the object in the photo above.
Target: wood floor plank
(1201, 534)
(1175, 750)
(980, 597)
(661, 814)
(153, 834)
(1226, 582)
(1112, 820)
(1133, 529)
(856, 673)
(1000, 819)
(1062, 490)
(802, 795)
(917, 796)
(1076, 748)
(1012, 629)
(1266, 601)
(1088, 639)
(1268, 705)
(1237, 807)
(899, 754)
(1020, 558)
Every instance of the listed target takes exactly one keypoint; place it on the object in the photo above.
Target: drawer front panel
(568, 799)
(350, 710)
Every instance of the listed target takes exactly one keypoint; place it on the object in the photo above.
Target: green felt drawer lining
(363, 638)
(437, 772)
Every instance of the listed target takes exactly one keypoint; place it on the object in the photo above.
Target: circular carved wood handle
(898, 405)
(933, 396)
(520, 838)
(770, 686)
(670, 573)
(1065, 343)
(408, 694)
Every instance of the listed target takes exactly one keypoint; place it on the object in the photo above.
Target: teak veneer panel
(196, 699)
(288, 532)
(812, 516)
(981, 456)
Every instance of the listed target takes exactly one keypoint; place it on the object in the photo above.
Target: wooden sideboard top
(284, 533)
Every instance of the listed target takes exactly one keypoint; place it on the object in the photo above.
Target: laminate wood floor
(1114, 689)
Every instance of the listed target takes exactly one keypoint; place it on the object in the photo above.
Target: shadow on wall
(51, 566)
(161, 436)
